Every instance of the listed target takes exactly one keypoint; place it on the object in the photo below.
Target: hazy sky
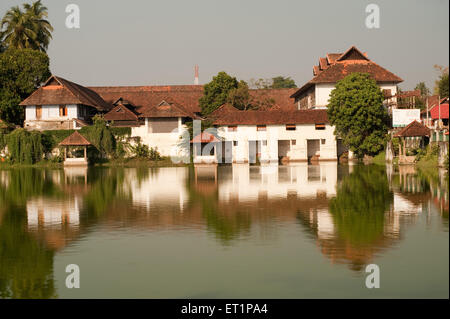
(158, 42)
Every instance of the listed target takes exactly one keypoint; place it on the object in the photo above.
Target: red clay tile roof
(323, 63)
(281, 98)
(349, 62)
(121, 113)
(413, 129)
(204, 137)
(403, 94)
(57, 91)
(76, 139)
(167, 107)
(332, 57)
(144, 97)
(434, 112)
(228, 117)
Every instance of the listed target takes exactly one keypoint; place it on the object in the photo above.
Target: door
(38, 112)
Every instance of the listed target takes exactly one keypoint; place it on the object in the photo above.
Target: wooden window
(38, 112)
(232, 128)
(290, 127)
(235, 143)
(320, 126)
(322, 141)
(63, 110)
(294, 142)
(260, 127)
(264, 143)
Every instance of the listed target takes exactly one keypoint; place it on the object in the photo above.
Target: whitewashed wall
(51, 112)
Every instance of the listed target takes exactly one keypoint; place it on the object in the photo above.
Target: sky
(158, 42)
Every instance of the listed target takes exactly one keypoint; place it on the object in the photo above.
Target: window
(62, 110)
(264, 143)
(235, 143)
(320, 126)
(260, 127)
(290, 127)
(38, 112)
(163, 125)
(294, 142)
(322, 141)
(232, 128)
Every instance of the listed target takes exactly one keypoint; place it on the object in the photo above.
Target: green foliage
(443, 85)
(26, 29)
(51, 138)
(424, 91)
(24, 147)
(240, 97)
(361, 200)
(280, 82)
(100, 136)
(120, 132)
(144, 152)
(21, 72)
(216, 92)
(356, 110)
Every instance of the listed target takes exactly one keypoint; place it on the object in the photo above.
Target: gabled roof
(167, 107)
(121, 113)
(349, 62)
(413, 129)
(227, 117)
(57, 90)
(76, 139)
(434, 112)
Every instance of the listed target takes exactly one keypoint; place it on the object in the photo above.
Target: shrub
(24, 147)
(143, 151)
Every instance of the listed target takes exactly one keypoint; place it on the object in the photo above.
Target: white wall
(51, 112)
(167, 143)
(30, 113)
(273, 134)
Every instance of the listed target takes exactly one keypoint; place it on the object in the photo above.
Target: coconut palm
(26, 29)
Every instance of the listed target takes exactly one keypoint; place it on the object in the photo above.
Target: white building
(336, 66)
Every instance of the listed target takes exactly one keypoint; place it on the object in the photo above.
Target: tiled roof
(57, 91)
(167, 107)
(434, 112)
(229, 117)
(144, 97)
(349, 62)
(76, 139)
(413, 129)
(204, 137)
(121, 113)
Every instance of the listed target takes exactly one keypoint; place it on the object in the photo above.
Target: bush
(143, 151)
(24, 147)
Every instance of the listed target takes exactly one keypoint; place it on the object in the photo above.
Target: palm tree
(26, 29)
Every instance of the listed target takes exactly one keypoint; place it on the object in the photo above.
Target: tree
(216, 92)
(441, 84)
(280, 82)
(240, 97)
(424, 91)
(356, 110)
(26, 29)
(21, 72)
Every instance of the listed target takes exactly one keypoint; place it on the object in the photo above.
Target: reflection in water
(353, 213)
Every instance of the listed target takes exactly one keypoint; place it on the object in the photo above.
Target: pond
(237, 231)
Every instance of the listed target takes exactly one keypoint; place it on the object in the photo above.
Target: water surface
(296, 231)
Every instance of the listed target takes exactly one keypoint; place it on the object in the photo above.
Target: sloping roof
(349, 62)
(144, 97)
(121, 113)
(167, 107)
(413, 129)
(237, 117)
(76, 139)
(57, 90)
(434, 112)
(204, 137)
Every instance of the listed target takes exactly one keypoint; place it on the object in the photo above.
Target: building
(270, 136)
(336, 66)
(61, 104)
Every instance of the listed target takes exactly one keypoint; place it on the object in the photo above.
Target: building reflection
(351, 212)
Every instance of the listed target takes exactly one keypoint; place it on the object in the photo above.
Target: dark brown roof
(413, 129)
(167, 107)
(121, 113)
(349, 62)
(57, 91)
(76, 139)
(237, 117)
(144, 97)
